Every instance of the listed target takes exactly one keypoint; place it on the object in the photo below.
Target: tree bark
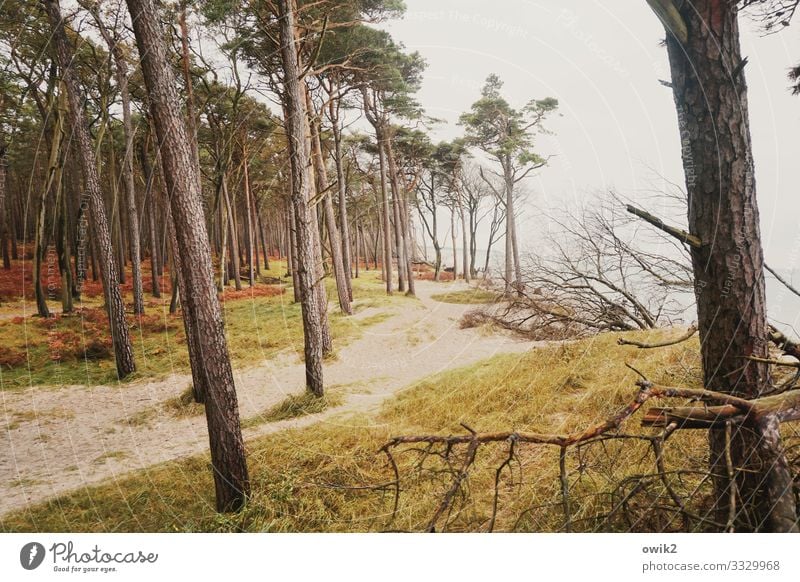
(3, 213)
(200, 302)
(150, 200)
(296, 122)
(330, 216)
(121, 75)
(386, 241)
(711, 101)
(120, 337)
(342, 188)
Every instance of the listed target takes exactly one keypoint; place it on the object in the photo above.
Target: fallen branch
(645, 346)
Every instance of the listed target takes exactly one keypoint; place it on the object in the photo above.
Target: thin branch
(682, 235)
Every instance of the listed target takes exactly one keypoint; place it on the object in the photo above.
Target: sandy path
(58, 440)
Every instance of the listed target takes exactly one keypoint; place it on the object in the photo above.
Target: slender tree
(296, 123)
(200, 303)
(116, 309)
(506, 135)
(710, 92)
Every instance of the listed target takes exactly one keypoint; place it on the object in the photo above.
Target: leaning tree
(710, 92)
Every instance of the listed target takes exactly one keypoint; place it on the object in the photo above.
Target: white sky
(602, 61)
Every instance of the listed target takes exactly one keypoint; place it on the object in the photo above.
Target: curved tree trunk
(200, 302)
(116, 308)
(711, 101)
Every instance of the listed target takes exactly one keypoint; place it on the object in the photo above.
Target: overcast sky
(602, 61)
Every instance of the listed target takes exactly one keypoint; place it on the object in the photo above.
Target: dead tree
(600, 274)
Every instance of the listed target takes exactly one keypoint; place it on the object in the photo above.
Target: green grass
(466, 296)
(314, 479)
(36, 352)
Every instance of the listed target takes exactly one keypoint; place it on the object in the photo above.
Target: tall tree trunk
(252, 251)
(233, 234)
(453, 240)
(292, 256)
(464, 244)
(386, 225)
(3, 213)
(121, 75)
(295, 123)
(62, 238)
(711, 101)
(150, 201)
(191, 109)
(401, 215)
(342, 188)
(330, 216)
(200, 301)
(116, 308)
(127, 175)
(509, 258)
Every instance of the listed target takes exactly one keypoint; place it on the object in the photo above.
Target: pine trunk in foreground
(711, 101)
(118, 325)
(305, 263)
(200, 302)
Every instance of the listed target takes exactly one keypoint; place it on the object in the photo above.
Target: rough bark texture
(116, 308)
(150, 201)
(711, 100)
(305, 225)
(323, 189)
(380, 137)
(200, 303)
(3, 217)
(121, 75)
(342, 188)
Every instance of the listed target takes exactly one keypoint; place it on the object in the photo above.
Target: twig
(782, 280)
(506, 463)
(562, 471)
(730, 527)
(459, 478)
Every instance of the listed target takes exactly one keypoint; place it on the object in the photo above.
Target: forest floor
(64, 438)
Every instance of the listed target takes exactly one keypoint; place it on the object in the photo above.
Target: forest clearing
(323, 266)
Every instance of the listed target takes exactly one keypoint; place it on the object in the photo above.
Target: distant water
(783, 306)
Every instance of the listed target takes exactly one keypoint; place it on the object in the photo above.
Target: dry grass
(314, 479)
(295, 406)
(475, 295)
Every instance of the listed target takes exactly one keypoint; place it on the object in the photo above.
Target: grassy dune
(318, 478)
